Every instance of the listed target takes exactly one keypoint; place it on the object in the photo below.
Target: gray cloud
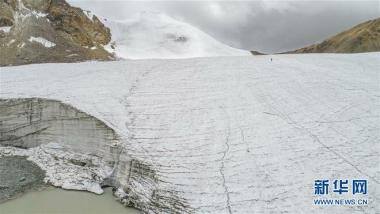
(267, 26)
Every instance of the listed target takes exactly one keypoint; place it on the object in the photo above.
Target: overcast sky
(262, 25)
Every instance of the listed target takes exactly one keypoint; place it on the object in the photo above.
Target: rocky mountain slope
(364, 37)
(39, 31)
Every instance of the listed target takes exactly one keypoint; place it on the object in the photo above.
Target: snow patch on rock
(89, 14)
(21, 45)
(38, 14)
(42, 41)
(11, 42)
(6, 29)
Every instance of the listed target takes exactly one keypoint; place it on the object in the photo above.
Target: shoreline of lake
(53, 200)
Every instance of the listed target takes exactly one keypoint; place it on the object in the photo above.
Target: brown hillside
(364, 37)
(71, 34)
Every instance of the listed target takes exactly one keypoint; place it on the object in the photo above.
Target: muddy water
(58, 201)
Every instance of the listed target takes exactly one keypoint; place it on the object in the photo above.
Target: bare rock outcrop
(39, 5)
(6, 14)
(41, 31)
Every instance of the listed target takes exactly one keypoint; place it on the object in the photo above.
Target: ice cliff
(77, 151)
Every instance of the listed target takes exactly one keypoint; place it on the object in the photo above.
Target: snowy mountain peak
(156, 35)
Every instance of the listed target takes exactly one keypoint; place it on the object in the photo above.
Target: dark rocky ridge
(18, 175)
(73, 34)
(257, 53)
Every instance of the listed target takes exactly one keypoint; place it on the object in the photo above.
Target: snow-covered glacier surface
(223, 134)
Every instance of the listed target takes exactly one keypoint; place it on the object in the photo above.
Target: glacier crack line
(222, 171)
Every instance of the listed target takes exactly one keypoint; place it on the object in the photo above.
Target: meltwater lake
(58, 201)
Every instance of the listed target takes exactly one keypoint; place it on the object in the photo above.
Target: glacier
(156, 35)
(231, 134)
